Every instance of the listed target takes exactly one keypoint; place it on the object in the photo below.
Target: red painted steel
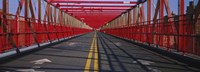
(89, 7)
(166, 32)
(92, 1)
(139, 31)
(174, 33)
(22, 36)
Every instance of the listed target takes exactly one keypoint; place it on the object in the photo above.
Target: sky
(14, 3)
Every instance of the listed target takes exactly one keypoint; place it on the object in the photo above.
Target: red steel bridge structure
(173, 27)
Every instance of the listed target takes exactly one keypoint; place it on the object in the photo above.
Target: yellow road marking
(96, 63)
(88, 62)
(94, 49)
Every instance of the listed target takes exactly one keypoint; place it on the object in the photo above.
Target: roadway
(94, 52)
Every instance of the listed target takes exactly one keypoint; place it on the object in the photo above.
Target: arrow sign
(28, 70)
(144, 62)
(41, 61)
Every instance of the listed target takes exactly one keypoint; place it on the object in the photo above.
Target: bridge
(99, 36)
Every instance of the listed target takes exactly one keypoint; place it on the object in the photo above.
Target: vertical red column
(160, 26)
(134, 23)
(6, 45)
(26, 14)
(181, 40)
(197, 31)
(148, 30)
(1, 33)
(41, 36)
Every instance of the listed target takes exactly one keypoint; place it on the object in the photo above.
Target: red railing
(26, 32)
(169, 34)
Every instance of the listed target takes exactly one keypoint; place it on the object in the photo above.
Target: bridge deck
(95, 53)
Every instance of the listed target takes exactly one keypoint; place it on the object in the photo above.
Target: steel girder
(95, 13)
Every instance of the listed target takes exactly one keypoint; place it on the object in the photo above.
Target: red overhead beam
(95, 12)
(99, 7)
(93, 1)
(96, 5)
(94, 15)
(102, 15)
(94, 8)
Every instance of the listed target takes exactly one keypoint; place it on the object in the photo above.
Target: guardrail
(18, 32)
(170, 34)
